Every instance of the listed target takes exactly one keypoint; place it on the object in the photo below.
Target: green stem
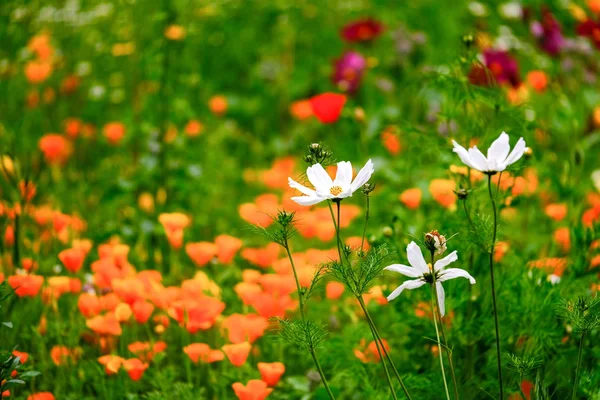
(437, 334)
(574, 396)
(303, 316)
(438, 314)
(494, 287)
(374, 329)
(521, 387)
(362, 243)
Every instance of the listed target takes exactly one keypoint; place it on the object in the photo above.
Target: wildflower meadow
(277, 199)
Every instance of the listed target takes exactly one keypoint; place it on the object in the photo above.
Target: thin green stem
(374, 329)
(493, 246)
(362, 243)
(303, 316)
(437, 314)
(574, 396)
(437, 334)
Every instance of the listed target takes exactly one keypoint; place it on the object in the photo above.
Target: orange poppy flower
(105, 325)
(562, 236)
(301, 110)
(280, 285)
(26, 285)
(135, 368)
(391, 142)
(251, 275)
(327, 107)
(245, 328)
(142, 310)
(442, 191)
(538, 80)
(62, 355)
(238, 353)
(123, 312)
(23, 357)
(145, 351)
(369, 353)
(114, 132)
(271, 372)
(111, 363)
(246, 291)
(500, 250)
(556, 211)
(227, 247)
(218, 104)
(89, 305)
(201, 352)
(72, 259)
(73, 127)
(276, 177)
(193, 128)
(40, 45)
(55, 147)
(254, 390)
(201, 252)
(27, 190)
(272, 305)
(174, 224)
(175, 32)
(41, 396)
(196, 314)
(37, 71)
(334, 290)
(411, 198)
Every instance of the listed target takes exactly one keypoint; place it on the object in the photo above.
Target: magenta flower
(548, 33)
(348, 71)
(502, 66)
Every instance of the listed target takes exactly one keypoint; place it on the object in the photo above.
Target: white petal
(443, 262)
(412, 284)
(363, 176)
(404, 270)
(517, 152)
(307, 200)
(303, 189)
(343, 176)
(452, 273)
(415, 257)
(441, 295)
(478, 159)
(319, 178)
(463, 154)
(499, 149)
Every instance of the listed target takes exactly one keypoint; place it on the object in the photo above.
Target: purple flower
(504, 67)
(348, 71)
(550, 37)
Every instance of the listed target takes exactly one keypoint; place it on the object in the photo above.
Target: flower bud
(435, 242)
(368, 188)
(387, 231)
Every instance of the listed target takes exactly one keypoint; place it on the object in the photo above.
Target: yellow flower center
(335, 190)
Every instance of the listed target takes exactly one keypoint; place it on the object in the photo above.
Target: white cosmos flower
(423, 272)
(498, 157)
(326, 189)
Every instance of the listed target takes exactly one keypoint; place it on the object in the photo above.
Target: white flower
(423, 272)
(326, 189)
(497, 155)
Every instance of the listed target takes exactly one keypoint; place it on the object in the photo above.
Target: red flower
(590, 29)
(363, 30)
(327, 107)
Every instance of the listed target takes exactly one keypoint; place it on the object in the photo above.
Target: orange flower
(146, 352)
(411, 198)
(72, 259)
(246, 291)
(55, 147)
(111, 363)
(174, 224)
(556, 211)
(29, 264)
(538, 80)
(202, 352)
(135, 368)
(562, 236)
(227, 247)
(41, 396)
(193, 128)
(26, 285)
(114, 132)
(89, 305)
(271, 373)
(327, 107)
(334, 290)
(254, 390)
(301, 110)
(201, 252)
(442, 191)
(244, 328)
(264, 206)
(142, 310)
(27, 190)
(271, 305)
(262, 257)
(23, 357)
(218, 104)
(41, 46)
(123, 312)
(500, 250)
(369, 353)
(105, 325)
(73, 127)
(391, 141)
(237, 353)
(62, 355)
(37, 71)
(175, 32)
